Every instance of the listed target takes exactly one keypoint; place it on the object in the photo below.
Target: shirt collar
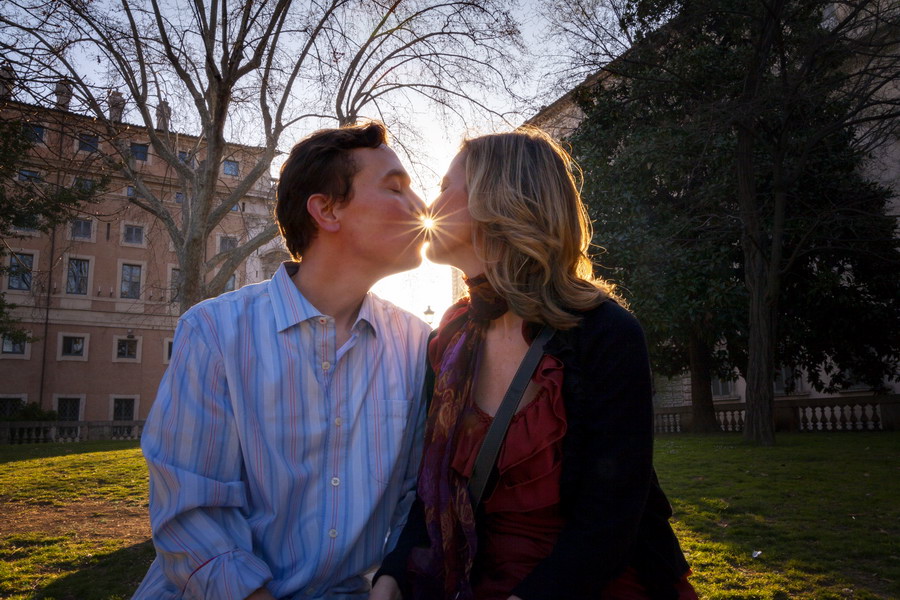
(291, 307)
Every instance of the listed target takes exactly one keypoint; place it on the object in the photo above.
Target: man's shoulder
(229, 307)
(398, 320)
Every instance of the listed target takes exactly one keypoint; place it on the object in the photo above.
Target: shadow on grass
(16, 452)
(111, 576)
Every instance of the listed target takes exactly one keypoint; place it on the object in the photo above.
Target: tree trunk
(759, 424)
(761, 282)
(704, 413)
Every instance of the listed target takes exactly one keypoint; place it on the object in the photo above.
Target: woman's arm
(615, 420)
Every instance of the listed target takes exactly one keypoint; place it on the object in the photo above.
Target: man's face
(381, 224)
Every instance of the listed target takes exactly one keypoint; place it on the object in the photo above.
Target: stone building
(97, 294)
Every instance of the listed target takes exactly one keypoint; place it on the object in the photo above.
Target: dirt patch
(88, 519)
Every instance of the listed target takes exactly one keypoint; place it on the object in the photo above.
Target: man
(283, 443)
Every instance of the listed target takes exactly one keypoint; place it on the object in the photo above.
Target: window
(179, 197)
(227, 243)
(229, 285)
(184, 157)
(130, 191)
(29, 175)
(9, 406)
(77, 276)
(175, 282)
(72, 345)
(235, 208)
(131, 282)
(81, 229)
(11, 346)
(88, 142)
(722, 387)
(133, 234)
(123, 409)
(33, 132)
(786, 383)
(140, 151)
(231, 167)
(169, 345)
(20, 267)
(83, 184)
(126, 348)
(68, 409)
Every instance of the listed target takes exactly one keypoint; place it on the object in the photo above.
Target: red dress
(521, 518)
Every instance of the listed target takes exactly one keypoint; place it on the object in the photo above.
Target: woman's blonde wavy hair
(531, 227)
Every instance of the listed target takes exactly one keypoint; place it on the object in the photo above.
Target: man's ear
(321, 209)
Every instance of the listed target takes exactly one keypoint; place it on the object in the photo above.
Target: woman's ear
(321, 209)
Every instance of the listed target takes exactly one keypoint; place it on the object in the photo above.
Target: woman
(576, 510)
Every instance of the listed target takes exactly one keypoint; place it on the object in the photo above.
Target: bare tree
(250, 72)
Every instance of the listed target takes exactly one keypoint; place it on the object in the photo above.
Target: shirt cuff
(230, 576)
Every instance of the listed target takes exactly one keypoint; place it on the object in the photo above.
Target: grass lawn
(815, 517)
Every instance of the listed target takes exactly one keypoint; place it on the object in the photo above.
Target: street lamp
(429, 315)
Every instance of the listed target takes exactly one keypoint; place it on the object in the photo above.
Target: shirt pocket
(389, 429)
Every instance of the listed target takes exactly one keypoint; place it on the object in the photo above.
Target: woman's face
(451, 234)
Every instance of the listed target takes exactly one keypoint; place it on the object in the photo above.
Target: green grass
(56, 474)
(821, 508)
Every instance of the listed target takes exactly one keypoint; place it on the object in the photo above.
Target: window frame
(14, 264)
(81, 402)
(123, 232)
(138, 350)
(70, 230)
(23, 399)
(28, 130)
(140, 281)
(231, 168)
(60, 341)
(89, 279)
(168, 349)
(29, 176)
(84, 143)
(145, 153)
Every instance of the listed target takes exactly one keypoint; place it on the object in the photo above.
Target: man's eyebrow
(402, 174)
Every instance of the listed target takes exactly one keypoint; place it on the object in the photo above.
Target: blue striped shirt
(275, 457)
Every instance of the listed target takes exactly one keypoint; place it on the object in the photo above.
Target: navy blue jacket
(616, 513)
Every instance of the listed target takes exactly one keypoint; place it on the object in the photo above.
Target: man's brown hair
(319, 164)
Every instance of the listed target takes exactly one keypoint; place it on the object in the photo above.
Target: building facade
(98, 294)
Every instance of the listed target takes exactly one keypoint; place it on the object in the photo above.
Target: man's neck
(336, 289)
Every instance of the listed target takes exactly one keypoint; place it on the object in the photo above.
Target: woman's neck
(507, 326)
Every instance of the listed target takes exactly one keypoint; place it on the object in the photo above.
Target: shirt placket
(329, 361)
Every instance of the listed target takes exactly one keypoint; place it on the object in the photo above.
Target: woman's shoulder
(609, 317)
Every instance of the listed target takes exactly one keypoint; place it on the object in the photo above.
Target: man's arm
(198, 499)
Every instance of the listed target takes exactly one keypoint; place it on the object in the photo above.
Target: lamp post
(429, 315)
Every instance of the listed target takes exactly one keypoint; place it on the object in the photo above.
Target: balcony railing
(837, 413)
(36, 432)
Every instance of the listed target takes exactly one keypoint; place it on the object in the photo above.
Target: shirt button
(326, 365)
(338, 421)
(323, 320)
(335, 481)
(332, 533)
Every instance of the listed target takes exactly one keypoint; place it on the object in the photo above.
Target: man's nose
(416, 205)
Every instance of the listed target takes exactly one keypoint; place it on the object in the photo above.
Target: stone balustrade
(836, 413)
(34, 432)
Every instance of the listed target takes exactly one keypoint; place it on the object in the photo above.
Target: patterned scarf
(443, 571)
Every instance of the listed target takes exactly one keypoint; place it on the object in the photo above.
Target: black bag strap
(490, 448)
